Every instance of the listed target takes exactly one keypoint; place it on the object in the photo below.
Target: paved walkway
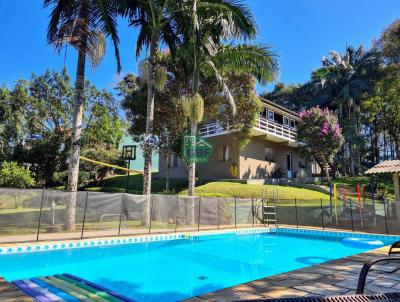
(10, 293)
(336, 277)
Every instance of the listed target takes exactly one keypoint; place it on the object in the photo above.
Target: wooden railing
(264, 125)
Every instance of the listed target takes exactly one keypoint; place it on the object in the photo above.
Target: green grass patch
(211, 189)
(233, 189)
(383, 182)
(118, 184)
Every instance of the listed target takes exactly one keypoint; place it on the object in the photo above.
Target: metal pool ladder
(269, 210)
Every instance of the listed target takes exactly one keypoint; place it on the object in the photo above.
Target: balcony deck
(271, 130)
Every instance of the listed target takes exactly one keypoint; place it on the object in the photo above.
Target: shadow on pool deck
(135, 293)
(335, 277)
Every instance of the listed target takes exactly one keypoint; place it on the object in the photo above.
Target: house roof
(388, 166)
(281, 108)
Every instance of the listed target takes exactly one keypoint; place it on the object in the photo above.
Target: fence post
(262, 210)
(40, 216)
(120, 213)
(151, 212)
(218, 213)
(235, 211)
(84, 214)
(176, 212)
(351, 215)
(295, 206)
(384, 209)
(252, 211)
(322, 216)
(373, 201)
(198, 215)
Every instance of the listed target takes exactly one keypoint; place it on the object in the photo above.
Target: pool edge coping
(15, 248)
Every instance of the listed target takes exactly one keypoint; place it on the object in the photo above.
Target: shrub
(61, 178)
(12, 175)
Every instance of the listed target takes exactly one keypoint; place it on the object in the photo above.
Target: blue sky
(301, 31)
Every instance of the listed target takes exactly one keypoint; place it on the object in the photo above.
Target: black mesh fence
(226, 212)
(30, 215)
(19, 212)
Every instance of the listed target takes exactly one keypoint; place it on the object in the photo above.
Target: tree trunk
(192, 166)
(73, 166)
(351, 151)
(167, 167)
(326, 168)
(150, 116)
(397, 147)
(149, 130)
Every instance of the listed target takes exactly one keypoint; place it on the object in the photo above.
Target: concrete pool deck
(336, 277)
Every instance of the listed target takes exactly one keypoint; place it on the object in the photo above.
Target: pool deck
(336, 277)
(10, 293)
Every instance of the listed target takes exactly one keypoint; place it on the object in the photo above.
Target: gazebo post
(392, 167)
(396, 187)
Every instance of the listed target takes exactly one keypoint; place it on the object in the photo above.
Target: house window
(224, 153)
(270, 115)
(263, 113)
(173, 160)
(269, 154)
(285, 121)
(292, 124)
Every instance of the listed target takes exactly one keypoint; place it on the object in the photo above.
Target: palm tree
(166, 22)
(156, 21)
(204, 54)
(341, 81)
(83, 24)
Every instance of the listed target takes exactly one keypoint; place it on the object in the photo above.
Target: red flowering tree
(321, 136)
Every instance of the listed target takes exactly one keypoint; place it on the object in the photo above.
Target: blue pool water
(174, 270)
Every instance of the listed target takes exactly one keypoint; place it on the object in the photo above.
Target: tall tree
(83, 24)
(384, 106)
(343, 80)
(203, 54)
(156, 21)
(321, 135)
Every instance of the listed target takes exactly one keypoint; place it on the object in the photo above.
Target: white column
(396, 186)
(397, 194)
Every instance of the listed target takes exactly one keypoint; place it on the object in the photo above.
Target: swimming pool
(171, 270)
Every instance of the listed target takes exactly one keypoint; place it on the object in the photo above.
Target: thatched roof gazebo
(389, 166)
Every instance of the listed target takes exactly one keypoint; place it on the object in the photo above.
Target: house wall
(215, 167)
(180, 171)
(250, 161)
(253, 162)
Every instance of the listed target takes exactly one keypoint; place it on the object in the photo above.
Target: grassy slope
(231, 189)
(382, 181)
(221, 189)
(118, 184)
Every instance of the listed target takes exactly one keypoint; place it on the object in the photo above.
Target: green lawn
(232, 189)
(383, 181)
(218, 189)
(118, 184)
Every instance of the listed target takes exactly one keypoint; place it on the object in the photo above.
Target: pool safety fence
(28, 215)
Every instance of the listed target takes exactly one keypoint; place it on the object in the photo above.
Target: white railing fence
(263, 125)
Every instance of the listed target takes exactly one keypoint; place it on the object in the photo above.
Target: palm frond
(257, 60)
(233, 18)
(104, 16)
(96, 48)
(225, 89)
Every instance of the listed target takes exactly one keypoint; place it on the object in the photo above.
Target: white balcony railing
(276, 129)
(263, 125)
